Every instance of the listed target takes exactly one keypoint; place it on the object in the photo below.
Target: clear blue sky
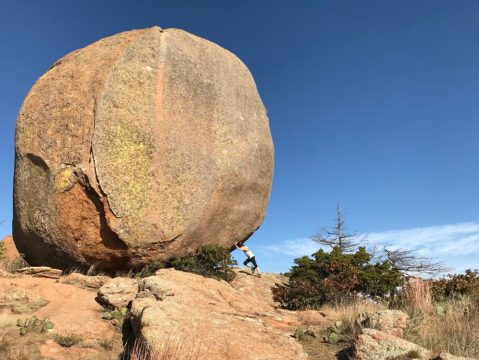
(372, 104)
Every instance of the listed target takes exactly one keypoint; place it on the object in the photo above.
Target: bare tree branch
(407, 261)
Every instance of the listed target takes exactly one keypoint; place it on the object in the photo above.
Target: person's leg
(253, 260)
(256, 267)
(246, 262)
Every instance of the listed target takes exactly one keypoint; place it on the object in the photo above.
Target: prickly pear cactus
(34, 324)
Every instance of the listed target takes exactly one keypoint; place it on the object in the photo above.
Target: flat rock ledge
(41, 271)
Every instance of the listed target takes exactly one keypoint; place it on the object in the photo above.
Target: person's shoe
(253, 270)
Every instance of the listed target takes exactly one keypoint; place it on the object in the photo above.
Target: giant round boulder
(143, 145)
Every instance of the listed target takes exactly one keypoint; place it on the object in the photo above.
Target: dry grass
(13, 265)
(16, 347)
(176, 349)
(168, 350)
(350, 312)
(451, 326)
(68, 340)
(417, 295)
(454, 330)
(106, 344)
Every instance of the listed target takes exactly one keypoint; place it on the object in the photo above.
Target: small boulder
(377, 345)
(117, 292)
(151, 287)
(392, 322)
(41, 271)
(84, 281)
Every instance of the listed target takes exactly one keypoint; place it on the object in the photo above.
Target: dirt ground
(73, 312)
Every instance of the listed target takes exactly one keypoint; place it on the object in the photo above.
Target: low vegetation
(116, 316)
(68, 340)
(34, 324)
(336, 277)
(342, 277)
(445, 314)
(209, 260)
(10, 265)
(106, 344)
(169, 349)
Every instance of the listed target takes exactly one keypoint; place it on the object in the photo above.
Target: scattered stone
(41, 271)
(85, 281)
(392, 322)
(117, 292)
(377, 345)
(141, 118)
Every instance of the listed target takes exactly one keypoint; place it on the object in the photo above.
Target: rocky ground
(179, 315)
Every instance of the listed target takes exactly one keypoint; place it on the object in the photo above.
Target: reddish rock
(210, 319)
(10, 252)
(41, 271)
(144, 145)
(71, 309)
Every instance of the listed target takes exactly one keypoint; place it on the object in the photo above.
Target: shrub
(456, 285)
(210, 260)
(298, 295)
(68, 340)
(335, 277)
(151, 268)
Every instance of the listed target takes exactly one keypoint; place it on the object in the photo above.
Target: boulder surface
(210, 319)
(143, 145)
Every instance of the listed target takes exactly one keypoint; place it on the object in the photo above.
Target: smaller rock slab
(377, 345)
(392, 322)
(84, 281)
(41, 271)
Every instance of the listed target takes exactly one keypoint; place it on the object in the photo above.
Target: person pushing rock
(250, 257)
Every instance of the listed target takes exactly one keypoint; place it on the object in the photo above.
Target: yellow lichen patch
(65, 179)
(131, 159)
